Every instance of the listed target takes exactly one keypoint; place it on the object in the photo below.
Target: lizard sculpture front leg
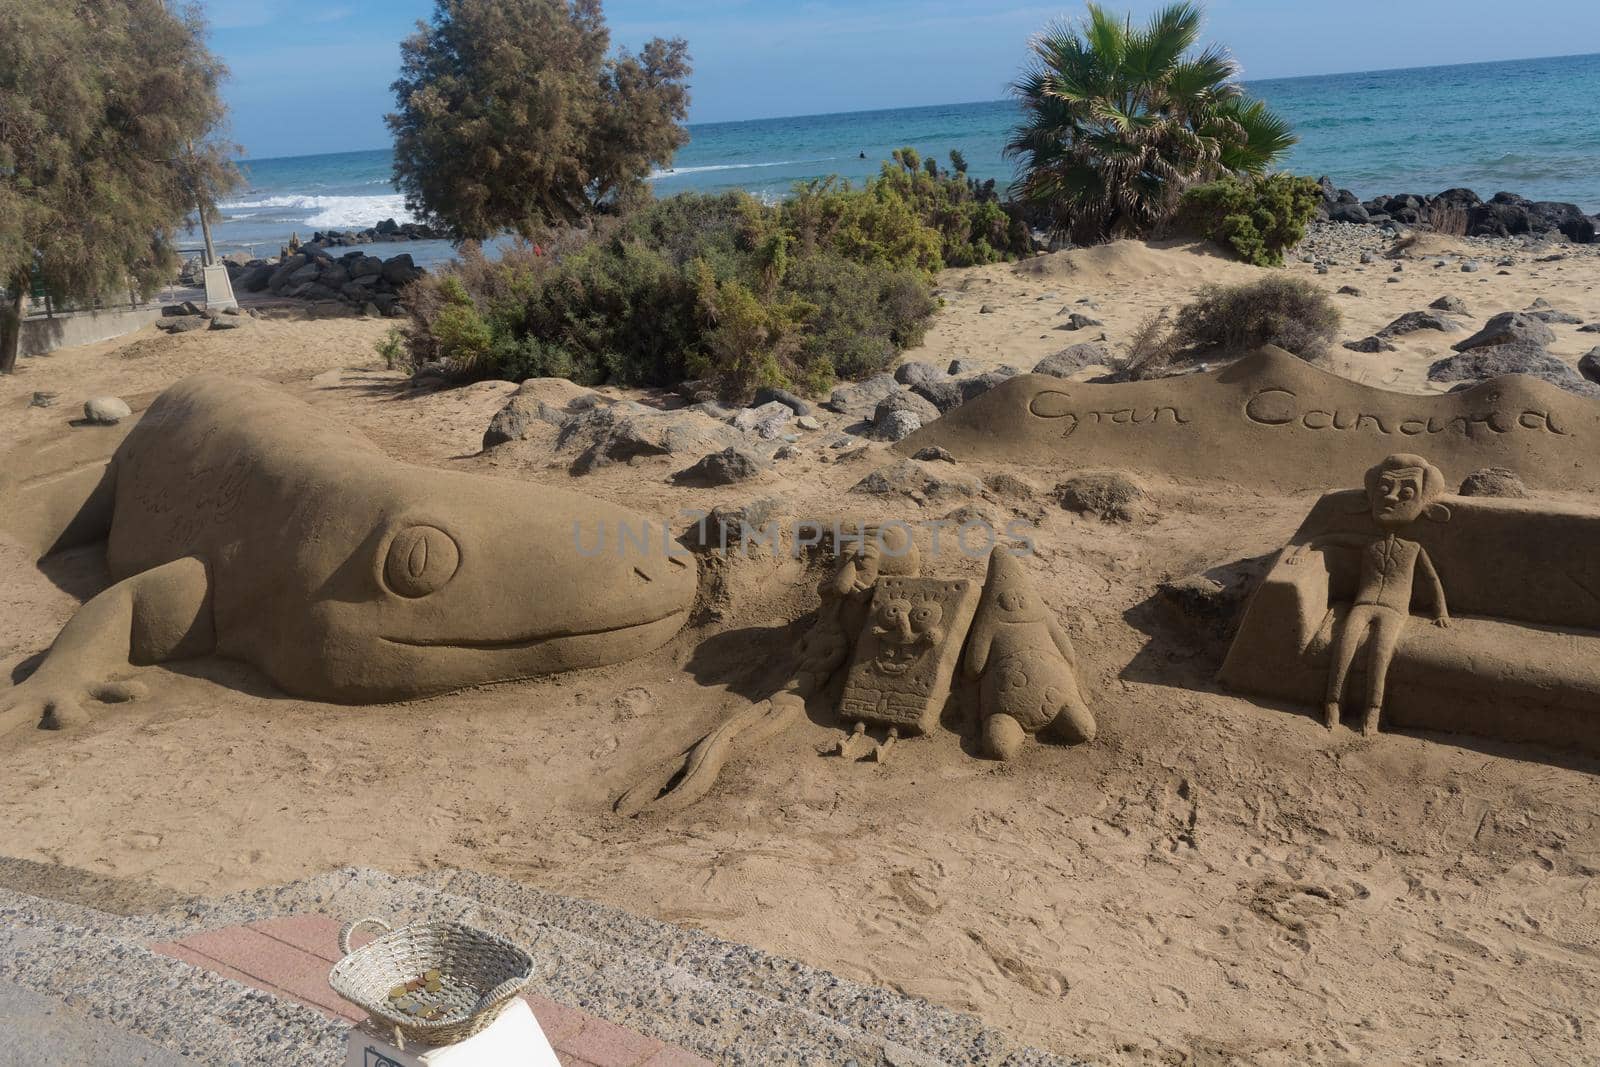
(160, 614)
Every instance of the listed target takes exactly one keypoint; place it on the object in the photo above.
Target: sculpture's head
(467, 579)
(1008, 595)
(1402, 488)
(906, 627)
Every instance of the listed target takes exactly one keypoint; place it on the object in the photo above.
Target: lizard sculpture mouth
(529, 640)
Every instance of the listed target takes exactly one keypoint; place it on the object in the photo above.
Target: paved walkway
(40, 1030)
(290, 958)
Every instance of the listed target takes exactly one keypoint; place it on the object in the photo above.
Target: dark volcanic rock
(1072, 359)
(1412, 321)
(1589, 364)
(1370, 344)
(1491, 361)
(1454, 305)
(912, 372)
(720, 468)
(767, 394)
(1509, 328)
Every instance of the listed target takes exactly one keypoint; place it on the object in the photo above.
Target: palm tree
(1118, 121)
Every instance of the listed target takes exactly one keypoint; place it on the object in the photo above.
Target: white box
(514, 1039)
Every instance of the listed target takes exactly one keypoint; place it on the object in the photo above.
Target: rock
(912, 372)
(1493, 481)
(808, 422)
(106, 410)
(1491, 361)
(933, 453)
(721, 468)
(960, 366)
(229, 322)
(1111, 495)
(401, 270)
(768, 394)
(1412, 321)
(1452, 304)
(1392, 280)
(986, 310)
(254, 279)
(1368, 257)
(309, 272)
(523, 411)
(1077, 321)
(919, 406)
(1349, 290)
(896, 425)
(766, 421)
(1508, 328)
(365, 266)
(1209, 604)
(1349, 213)
(861, 397)
(944, 394)
(183, 323)
(910, 479)
(627, 431)
(1370, 344)
(1589, 364)
(1470, 266)
(44, 398)
(1542, 311)
(1073, 358)
(1593, 327)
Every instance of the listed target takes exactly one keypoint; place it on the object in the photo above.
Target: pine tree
(107, 113)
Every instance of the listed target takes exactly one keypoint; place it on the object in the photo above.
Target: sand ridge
(1213, 879)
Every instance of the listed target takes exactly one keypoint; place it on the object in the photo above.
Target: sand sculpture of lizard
(241, 522)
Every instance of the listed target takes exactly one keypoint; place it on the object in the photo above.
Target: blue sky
(311, 77)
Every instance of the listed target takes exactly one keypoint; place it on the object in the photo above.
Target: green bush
(833, 282)
(1259, 218)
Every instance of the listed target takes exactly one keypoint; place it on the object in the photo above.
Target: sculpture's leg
(158, 615)
(1387, 627)
(849, 746)
(1074, 723)
(1002, 736)
(880, 753)
(1344, 653)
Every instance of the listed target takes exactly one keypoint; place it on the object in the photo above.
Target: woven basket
(479, 973)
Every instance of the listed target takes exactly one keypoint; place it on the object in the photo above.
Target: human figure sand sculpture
(1400, 491)
(1273, 421)
(1025, 664)
(241, 522)
(1513, 583)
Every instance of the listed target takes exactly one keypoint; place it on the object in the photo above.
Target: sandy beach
(1213, 881)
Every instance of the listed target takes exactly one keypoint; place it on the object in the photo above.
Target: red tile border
(290, 957)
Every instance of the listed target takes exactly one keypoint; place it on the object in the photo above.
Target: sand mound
(1132, 261)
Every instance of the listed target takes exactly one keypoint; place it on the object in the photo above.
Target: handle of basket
(349, 929)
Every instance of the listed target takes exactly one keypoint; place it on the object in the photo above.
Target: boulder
(960, 366)
(861, 397)
(1078, 321)
(363, 265)
(1370, 344)
(897, 425)
(254, 279)
(401, 270)
(944, 393)
(183, 323)
(1349, 213)
(919, 406)
(1073, 358)
(1412, 321)
(333, 276)
(912, 372)
(1491, 361)
(1493, 481)
(1589, 364)
(1452, 304)
(106, 410)
(1508, 328)
(766, 421)
(721, 468)
(767, 394)
(1540, 309)
(933, 453)
(626, 431)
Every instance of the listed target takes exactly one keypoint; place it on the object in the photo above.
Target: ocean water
(1525, 126)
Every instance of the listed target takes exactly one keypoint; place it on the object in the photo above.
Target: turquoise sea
(1525, 126)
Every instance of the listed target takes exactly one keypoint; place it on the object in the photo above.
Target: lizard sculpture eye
(422, 559)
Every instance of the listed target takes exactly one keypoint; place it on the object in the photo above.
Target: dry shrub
(1151, 349)
(1281, 310)
(1448, 219)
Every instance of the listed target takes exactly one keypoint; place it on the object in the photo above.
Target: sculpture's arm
(1441, 613)
(1317, 544)
(156, 615)
(1058, 634)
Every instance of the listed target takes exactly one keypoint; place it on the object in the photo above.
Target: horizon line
(1000, 100)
